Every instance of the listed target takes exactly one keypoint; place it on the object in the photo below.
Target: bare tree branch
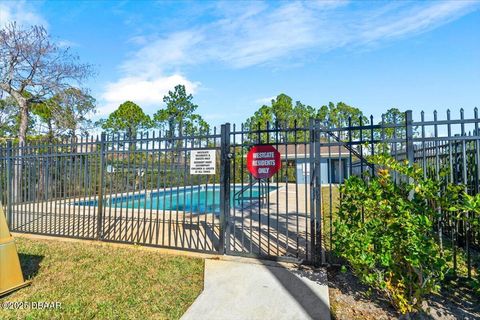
(33, 68)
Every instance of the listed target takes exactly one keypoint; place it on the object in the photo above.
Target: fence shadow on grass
(30, 264)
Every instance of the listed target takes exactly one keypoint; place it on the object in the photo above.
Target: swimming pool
(193, 199)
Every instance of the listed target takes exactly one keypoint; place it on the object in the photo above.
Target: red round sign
(263, 161)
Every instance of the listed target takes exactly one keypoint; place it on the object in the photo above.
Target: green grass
(462, 265)
(95, 281)
(330, 199)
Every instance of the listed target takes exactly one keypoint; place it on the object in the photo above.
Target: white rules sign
(202, 161)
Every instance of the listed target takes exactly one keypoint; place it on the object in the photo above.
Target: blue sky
(235, 56)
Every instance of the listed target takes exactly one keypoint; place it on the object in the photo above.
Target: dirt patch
(350, 299)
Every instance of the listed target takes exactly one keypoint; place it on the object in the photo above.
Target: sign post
(263, 161)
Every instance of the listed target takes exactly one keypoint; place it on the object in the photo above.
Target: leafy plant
(385, 232)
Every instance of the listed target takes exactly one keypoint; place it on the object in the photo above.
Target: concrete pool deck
(280, 229)
(262, 290)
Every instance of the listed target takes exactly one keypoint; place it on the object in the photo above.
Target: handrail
(346, 146)
(245, 188)
(261, 183)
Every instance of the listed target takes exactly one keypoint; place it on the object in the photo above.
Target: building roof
(303, 150)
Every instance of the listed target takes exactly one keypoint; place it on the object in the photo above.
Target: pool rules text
(202, 161)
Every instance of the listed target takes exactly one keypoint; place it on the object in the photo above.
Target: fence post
(319, 249)
(100, 188)
(350, 145)
(409, 136)
(313, 172)
(9, 184)
(224, 236)
(409, 143)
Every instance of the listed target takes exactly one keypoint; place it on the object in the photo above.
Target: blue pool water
(193, 199)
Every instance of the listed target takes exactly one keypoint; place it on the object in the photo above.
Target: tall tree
(66, 113)
(282, 110)
(338, 116)
(33, 68)
(128, 118)
(392, 116)
(278, 113)
(179, 117)
(302, 115)
(8, 117)
(45, 112)
(283, 113)
(75, 106)
(259, 120)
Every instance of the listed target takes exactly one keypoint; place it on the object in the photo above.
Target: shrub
(385, 232)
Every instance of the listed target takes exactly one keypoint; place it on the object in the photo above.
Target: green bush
(385, 232)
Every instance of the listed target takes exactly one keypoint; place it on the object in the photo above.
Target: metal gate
(273, 218)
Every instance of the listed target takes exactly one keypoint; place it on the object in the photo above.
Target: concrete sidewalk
(266, 290)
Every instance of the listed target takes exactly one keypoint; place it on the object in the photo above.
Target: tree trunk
(22, 137)
(131, 135)
(50, 131)
(74, 141)
(171, 133)
(180, 143)
(22, 131)
(41, 180)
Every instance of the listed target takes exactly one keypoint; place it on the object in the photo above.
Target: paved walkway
(261, 290)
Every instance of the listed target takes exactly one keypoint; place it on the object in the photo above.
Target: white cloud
(20, 12)
(157, 54)
(246, 34)
(143, 91)
(264, 35)
(221, 116)
(62, 43)
(415, 20)
(266, 100)
(145, 80)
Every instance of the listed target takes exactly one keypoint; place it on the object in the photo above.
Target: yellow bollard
(11, 277)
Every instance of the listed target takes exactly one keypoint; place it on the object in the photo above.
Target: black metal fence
(140, 189)
(447, 150)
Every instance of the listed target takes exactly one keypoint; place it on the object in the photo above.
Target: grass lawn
(330, 202)
(104, 282)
